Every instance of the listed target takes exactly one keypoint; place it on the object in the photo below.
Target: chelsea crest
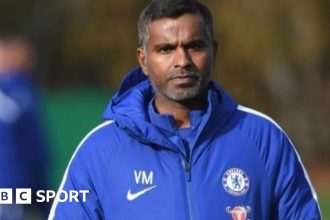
(235, 182)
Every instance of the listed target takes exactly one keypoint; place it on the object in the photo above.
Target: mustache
(182, 73)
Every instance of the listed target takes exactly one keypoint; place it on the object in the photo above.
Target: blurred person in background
(23, 150)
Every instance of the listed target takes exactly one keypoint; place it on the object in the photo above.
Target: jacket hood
(129, 109)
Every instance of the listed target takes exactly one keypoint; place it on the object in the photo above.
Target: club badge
(235, 182)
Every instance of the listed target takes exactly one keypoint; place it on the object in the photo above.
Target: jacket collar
(129, 108)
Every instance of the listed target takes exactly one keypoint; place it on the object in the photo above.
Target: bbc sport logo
(24, 196)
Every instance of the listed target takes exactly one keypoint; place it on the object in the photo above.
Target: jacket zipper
(186, 164)
(187, 170)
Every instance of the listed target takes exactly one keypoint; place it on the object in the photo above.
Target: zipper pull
(187, 169)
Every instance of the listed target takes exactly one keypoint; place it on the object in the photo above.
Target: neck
(180, 110)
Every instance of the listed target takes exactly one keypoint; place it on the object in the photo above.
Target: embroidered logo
(238, 212)
(132, 196)
(235, 182)
(144, 178)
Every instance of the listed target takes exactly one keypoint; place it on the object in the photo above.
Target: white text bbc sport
(24, 196)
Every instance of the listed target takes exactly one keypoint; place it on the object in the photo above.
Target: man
(174, 145)
(23, 148)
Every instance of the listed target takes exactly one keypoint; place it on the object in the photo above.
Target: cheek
(158, 68)
(204, 63)
(160, 61)
(155, 75)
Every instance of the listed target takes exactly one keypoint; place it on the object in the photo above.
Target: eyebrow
(163, 45)
(192, 42)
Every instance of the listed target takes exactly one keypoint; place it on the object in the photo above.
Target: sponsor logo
(132, 196)
(141, 178)
(238, 212)
(235, 182)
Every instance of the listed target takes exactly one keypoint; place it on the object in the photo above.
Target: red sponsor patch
(238, 212)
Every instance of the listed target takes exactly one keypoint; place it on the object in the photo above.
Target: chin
(183, 95)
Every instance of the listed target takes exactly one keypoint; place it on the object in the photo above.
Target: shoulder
(100, 138)
(94, 151)
(258, 125)
(258, 118)
(97, 133)
(99, 145)
(269, 138)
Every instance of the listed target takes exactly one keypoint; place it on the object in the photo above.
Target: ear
(142, 59)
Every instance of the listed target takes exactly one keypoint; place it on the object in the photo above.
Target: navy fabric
(241, 165)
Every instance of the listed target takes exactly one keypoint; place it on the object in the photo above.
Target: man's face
(178, 57)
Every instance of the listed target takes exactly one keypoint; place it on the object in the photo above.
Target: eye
(196, 46)
(165, 49)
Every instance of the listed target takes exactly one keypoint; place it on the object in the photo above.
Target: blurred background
(274, 56)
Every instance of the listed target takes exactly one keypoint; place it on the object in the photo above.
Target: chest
(223, 180)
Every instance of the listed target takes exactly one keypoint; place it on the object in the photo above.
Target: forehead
(187, 26)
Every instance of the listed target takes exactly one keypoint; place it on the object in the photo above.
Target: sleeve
(87, 171)
(294, 193)
(77, 180)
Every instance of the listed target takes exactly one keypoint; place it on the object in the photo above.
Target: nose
(183, 58)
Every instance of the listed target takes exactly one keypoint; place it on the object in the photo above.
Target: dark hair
(172, 9)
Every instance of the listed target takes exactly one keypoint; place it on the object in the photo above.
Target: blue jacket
(23, 153)
(241, 165)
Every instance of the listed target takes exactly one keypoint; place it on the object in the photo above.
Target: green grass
(325, 205)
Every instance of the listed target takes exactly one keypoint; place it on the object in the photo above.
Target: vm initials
(142, 177)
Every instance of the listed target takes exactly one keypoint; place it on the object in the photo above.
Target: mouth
(184, 79)
(184, 75)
